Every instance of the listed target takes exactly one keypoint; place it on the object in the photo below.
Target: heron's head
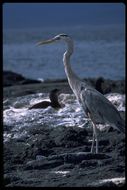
(63, 37)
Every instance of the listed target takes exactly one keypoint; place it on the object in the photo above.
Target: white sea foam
(17, 115)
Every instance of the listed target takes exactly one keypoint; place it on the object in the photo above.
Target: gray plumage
(94, 104)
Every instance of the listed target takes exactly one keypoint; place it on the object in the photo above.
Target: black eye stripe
(64, 35)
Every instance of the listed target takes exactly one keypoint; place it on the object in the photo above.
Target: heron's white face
(63, 37)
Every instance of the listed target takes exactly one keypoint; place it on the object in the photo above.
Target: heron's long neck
(72, 77)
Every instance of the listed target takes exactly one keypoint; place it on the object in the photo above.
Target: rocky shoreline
(60, 156)
(17, 85)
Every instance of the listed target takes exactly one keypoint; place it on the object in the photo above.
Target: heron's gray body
(92, 101)
(94, 104)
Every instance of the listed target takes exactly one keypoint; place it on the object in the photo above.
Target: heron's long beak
(47, 41)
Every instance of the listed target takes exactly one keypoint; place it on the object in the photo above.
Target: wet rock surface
(53, 157)
(11, 78)
(60, 156)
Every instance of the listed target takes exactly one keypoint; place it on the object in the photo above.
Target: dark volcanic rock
(108, 85)
(69, 136)
(43, 164)
(55, 157)
(11, 78)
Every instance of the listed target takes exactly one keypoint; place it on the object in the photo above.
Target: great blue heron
(53, 96)
(94, 104)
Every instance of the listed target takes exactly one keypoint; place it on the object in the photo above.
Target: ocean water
(99, 51)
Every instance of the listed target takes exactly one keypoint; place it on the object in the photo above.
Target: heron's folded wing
(99, 106)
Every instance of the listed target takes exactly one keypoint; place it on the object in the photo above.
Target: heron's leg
(96, 136)
(93, 141)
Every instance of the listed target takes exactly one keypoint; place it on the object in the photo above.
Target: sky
(30, 15)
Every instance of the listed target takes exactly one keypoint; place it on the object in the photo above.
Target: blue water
(99, 51)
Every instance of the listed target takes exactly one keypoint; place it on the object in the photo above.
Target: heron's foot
(97, 146)
(92, 150)
(97, 151)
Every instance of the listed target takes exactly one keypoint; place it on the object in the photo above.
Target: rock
(88, 163)
(108, 85)
(103, 184)
(78, 157)
(40, 157)
(66, 166)
(54, 157)
(114, 182)
(69, 136)
(43, 164)
(8, 178)
(62, 166)
(11, 78)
